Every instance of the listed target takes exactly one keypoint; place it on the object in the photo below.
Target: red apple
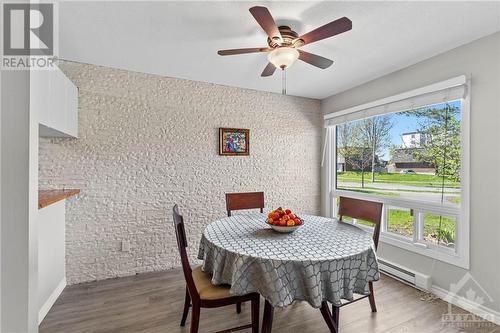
(288, 211)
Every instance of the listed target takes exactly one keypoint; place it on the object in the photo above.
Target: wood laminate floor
(153, 302)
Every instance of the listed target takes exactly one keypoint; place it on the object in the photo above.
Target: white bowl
(285, 229)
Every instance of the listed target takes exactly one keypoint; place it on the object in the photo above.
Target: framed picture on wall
(234, 141)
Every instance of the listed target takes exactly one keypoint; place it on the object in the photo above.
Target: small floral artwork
(234, 141)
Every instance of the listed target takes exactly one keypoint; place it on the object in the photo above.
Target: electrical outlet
(125, 246)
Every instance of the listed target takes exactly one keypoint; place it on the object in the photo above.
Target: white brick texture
(147, 142)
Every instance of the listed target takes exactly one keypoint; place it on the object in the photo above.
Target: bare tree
(352, 147)
(346, 138)
(361, 160)
(374, 133)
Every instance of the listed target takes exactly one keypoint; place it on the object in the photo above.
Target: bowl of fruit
(284, 220)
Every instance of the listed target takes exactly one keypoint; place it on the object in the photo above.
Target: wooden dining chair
(246, 200)
(201, 293)
(242, 201)
(368, 211)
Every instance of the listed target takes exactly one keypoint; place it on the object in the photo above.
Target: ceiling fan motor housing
(290, 38)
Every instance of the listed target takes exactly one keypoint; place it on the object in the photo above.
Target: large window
(412, 160)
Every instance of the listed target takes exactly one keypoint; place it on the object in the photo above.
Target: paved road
(409, 194)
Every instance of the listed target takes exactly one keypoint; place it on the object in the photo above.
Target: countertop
(48, 197)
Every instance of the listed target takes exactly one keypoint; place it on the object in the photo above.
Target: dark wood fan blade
(315, 60)
(266, 21)
(243, 51)
(269, 70)
(328, 30)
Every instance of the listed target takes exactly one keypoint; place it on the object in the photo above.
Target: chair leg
(255, 314)
(238, 307)
(195, 318)
(336, 315)
(327, 316)
(372, 297)
(267, 319)
(187, 304)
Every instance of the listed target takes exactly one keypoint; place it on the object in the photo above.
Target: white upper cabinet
(55, 98)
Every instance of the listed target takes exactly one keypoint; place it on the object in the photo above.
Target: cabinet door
(71, 102)
(56, 99)
(39, 94)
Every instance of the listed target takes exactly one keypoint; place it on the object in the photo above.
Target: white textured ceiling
(181, 39)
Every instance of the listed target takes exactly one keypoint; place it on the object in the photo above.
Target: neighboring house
(405, 159)
(413, 139)
(382, 166)
(355, 160)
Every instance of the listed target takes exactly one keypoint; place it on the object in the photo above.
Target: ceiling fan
(284, 43)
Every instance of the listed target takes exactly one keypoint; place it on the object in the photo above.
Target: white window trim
(453, 82)
(460, 256)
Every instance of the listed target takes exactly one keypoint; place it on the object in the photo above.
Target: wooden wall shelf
(48, 197)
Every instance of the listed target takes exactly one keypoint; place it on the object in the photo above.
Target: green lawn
(400, 221)
(397, 178)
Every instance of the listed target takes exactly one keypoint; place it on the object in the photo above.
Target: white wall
(51, 255)
(19, 180)
(480, 60)
(147, 142)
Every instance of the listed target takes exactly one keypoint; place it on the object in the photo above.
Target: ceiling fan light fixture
(283, 57)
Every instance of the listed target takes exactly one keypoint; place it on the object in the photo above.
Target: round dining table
(322, 261)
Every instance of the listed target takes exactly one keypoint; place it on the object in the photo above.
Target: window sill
(442, 254)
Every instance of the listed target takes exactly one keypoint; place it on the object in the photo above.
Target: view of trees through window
(411, 155)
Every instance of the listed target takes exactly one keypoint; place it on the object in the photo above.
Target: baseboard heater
(405, 275)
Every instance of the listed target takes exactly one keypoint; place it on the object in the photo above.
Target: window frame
(459, 256)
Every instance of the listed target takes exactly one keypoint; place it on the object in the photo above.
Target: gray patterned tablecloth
(322, 260)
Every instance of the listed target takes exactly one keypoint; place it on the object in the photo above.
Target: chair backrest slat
(248, 200)
(364, 210)
(182, 244)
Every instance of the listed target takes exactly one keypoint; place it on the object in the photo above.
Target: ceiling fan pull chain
(283, 81)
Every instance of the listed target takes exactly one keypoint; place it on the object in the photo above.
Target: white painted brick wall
(147, 142)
